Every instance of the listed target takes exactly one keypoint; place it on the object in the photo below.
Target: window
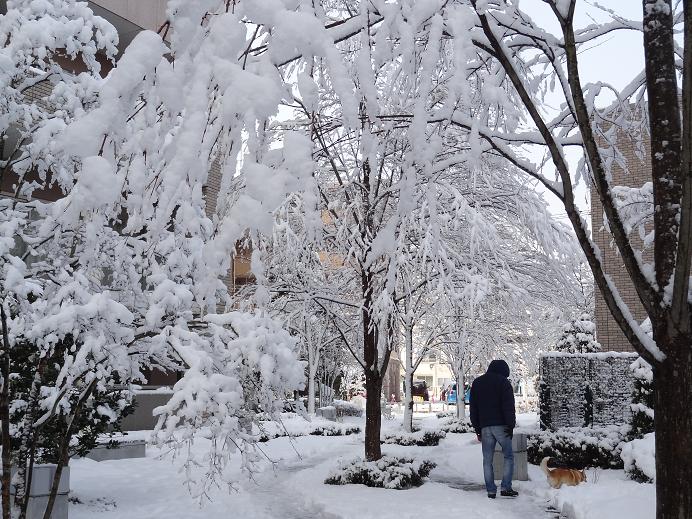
(427, 378)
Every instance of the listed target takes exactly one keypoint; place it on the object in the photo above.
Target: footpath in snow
(293, 488)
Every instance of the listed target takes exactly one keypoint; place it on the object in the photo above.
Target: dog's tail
(544, 465)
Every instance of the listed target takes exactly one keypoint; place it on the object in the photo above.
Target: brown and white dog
(558, 477)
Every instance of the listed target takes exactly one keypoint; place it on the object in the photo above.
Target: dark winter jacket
(492, 398)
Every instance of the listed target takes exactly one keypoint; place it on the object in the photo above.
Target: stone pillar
(41, 481)
(521, 462)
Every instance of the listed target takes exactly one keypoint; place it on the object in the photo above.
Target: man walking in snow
(493, 418)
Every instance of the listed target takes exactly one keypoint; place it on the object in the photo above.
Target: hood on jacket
(500, 367)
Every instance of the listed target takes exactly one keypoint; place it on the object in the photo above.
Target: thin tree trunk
(64, 450)
(373, 417)
(373, 375)
(311, 392)
(312, 374)
(673, 415)
(408, 379)
(25, 453)
(461, 394)
(29, 479)
(5, 417)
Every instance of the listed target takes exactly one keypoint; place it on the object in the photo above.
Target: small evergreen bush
(101, 414)
(642, 421)
(387, 472)
(579, 336)
(579, 447)
(453, 425)
(427, 438)
(318, 430)
(639, 457)
(334, 430)
(636, 474)
(635, 451)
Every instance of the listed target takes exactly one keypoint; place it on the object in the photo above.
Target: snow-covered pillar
(313, 361)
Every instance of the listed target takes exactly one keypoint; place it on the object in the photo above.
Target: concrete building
(131, 16)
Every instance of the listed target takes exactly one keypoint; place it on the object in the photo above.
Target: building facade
(435, 372)
(608, 332)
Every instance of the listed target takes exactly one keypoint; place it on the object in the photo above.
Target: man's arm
(508, 411)
(473, 408)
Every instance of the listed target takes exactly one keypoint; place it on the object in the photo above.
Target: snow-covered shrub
(300, 427)
(101, 414)
(333, 430)
(579, 447)
(387, 472)
(453, 425)
(639, 457)
(642, 421)
(344, 408)
(445, 414)
(579, 336)
(245, 364)
(427, 438)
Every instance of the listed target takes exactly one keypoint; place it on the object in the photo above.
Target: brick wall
(241, 262)
(608, 332)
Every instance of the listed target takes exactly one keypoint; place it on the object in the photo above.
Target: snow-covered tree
(522, 61)
(105, 242)
(579, 336)
(388, 174)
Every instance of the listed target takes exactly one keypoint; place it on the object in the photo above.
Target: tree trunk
(27, 444)
(29, 478)
(312, 373)
(5, 416)
(673, 421)
(461, 394)
(65, 450)
(311, 393)
(373, 417)
(374, 373)
(408, 380)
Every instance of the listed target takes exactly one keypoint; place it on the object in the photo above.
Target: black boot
(509, 493)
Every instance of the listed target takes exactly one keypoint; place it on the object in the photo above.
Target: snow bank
(607, 495)
(639, 457)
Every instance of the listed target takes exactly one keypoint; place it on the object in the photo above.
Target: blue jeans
(489, 436)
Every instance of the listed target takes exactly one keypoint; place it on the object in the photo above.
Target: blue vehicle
(452, 395)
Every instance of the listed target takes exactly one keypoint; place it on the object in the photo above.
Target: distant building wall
(391, 385)
(608, 332)
(148, 14)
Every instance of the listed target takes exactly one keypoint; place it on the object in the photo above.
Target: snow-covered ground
(293, 488)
